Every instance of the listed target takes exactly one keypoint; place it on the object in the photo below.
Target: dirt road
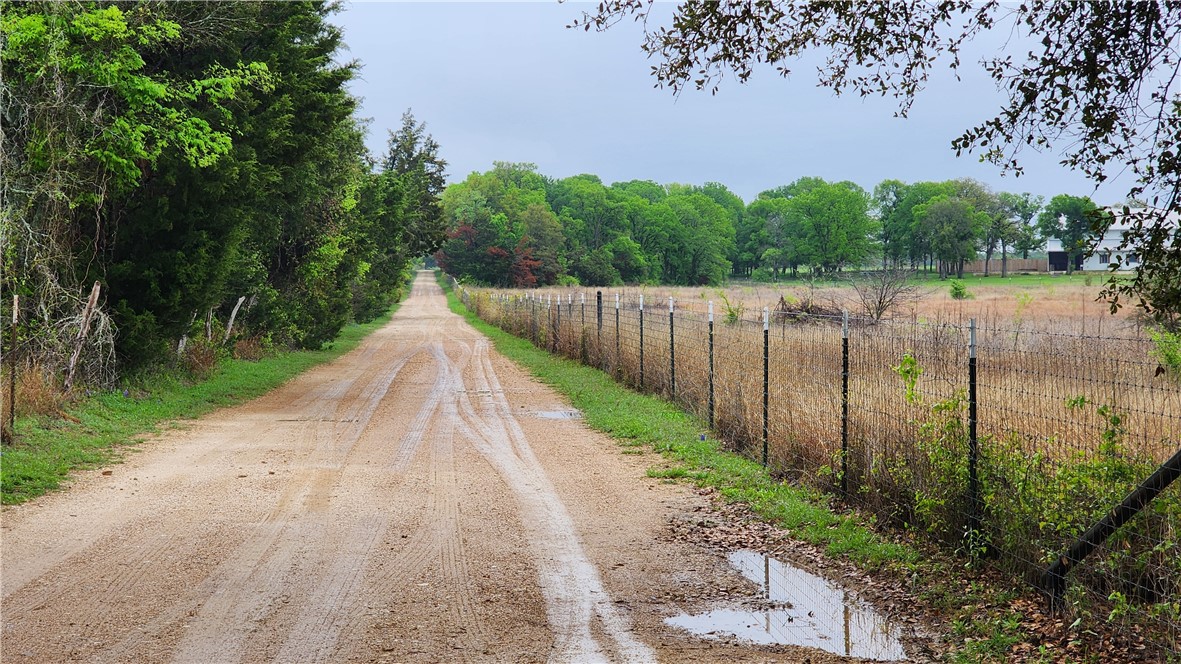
(420, 499)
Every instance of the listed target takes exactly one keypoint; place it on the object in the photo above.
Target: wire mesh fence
(1004, 443)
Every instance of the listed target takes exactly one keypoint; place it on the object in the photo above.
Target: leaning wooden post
(87, 314)
(8, 431)
(233, 315)
(184, 338)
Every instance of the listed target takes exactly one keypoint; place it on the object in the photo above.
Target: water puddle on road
(558, 414)
(802, 609)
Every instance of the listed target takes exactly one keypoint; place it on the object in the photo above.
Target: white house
(1107, 249)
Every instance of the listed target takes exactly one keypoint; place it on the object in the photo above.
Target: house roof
(1171, 219)
(1115, 233)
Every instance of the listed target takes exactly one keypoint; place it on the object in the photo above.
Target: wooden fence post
(7, 431)
(233, 315)
(87, 314)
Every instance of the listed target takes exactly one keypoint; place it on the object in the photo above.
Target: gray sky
(508, 82)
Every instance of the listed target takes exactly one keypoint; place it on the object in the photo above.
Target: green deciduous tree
(895, 228)
(502, 231)
(995, 223)
(187, 155)
(593, 216)
(1021, 234)
(952, 226)
(88, 117)
(544, 236)
(824, 225)
(1095, 81)
(701, 240)
(778, 242)
(1070, 220)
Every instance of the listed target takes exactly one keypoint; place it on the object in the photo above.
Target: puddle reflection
(812, 612)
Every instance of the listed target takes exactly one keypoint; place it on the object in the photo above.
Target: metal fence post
(618, 346)
(583, 354)
(711, 364)
(599, 328)
(845, 403)
(672, 353)
(599, 314)
(641, 341)
(766, 377)
(549, 307)
(973, 449)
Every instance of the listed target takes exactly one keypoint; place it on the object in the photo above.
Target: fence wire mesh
(1066, 425)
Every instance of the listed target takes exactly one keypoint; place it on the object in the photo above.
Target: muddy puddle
(557, 414)
(798, 608)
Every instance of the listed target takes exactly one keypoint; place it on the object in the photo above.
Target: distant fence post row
(1014, 457)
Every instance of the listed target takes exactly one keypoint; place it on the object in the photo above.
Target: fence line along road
(1002, 442)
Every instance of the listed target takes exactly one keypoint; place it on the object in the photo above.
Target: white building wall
(1107, 249)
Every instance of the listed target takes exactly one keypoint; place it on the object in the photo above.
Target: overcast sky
(509, 82)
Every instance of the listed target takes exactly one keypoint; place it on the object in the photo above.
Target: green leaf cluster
(186, 155)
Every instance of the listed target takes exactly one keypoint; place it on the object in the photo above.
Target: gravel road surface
(419, 499)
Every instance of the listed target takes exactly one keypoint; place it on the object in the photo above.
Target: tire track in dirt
(258, 574)
(574, 593)
(454, 559)
(424, 544)
(405, 512)
(114, 566)
(228, 605)
(330, 609)
(91, 523)
(437, 547)
(314, 406)
(613, 622)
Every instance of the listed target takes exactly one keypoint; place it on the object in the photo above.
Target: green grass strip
(47, 450)
(978, 613)
(638, 419)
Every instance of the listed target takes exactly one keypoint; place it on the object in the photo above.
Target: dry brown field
(1041, 341)
(1048, 303)
(1071, 409)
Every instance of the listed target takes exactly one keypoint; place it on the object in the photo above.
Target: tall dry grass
(1068, 420)
(1030, 365)
(38, 390)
